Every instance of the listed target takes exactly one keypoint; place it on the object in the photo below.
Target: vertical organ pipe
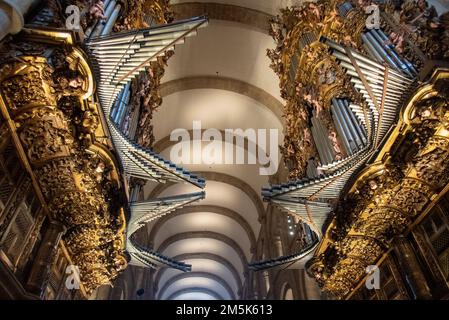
(319, 142)
(89, 30)
(371, 50)
(109, 8)
(358, 126)
(327, 147)
(327, 142)
(346, 129)
(381, 50)
(106, 3)
(312, 171)
(346, 133)
(134, 123)
(111, 21)
(123, 106)
(391, 53)
(383, 39)
(407, 65)
(101, 24)
(351, 127)
(125, 109)
(340, 130)
(117, 103)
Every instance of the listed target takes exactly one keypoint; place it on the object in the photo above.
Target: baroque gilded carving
(52, 13)
(389, 195)
(147, 97)
(157, 11)
(145, 88)
(45, 135)
(417, 31)
(309, 83)
(57, 127)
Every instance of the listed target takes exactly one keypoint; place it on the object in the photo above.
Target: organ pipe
(347, 120)
(345, 130)
(318, 143)
(328, 152)
(360, 131)
(111, 21)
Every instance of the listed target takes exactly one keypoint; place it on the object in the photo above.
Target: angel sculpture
(397, 40)
(96, 11)
(315, 10)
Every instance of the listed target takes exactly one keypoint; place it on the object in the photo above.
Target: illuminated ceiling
(222, 79)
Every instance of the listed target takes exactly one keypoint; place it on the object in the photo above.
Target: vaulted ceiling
(221, 78)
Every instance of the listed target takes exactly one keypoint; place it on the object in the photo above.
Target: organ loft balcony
(224, 150)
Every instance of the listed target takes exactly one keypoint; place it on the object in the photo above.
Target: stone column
(411, 270)
(278, 245)
(45, 258)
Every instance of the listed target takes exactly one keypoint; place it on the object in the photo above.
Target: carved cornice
(48, 101)
(392, 194)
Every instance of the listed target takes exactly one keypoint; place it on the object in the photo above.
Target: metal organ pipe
(382, 39)
(371, 73)
(382, 42)
(376, 43)
(339, 126)
(340, 131)
(125, 109)
(318, 142)
(134, 123)
(106, 3)
(109, 8)
(111, 21)
(98, 29)
(363, 61)
(312, 170)
(346, 62)
(121, 103)
(381, 50)
(89, 30)
(124, 106)
(357, 142)
(352, 130)
(324, 144)
(344, 8)
(358, 126)
(350, 143)
(370, 49)
(376, 80)
(407, 66)
(327, 143)
(116, 104)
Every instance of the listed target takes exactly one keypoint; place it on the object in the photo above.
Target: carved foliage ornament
(385, 200)
(309, 75)
(56, 127)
